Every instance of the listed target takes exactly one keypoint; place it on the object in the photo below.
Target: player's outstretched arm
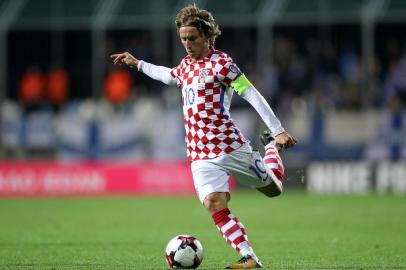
(125, 58)
(158, 73)
(283, 139)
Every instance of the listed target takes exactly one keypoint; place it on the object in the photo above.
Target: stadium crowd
(303, 77)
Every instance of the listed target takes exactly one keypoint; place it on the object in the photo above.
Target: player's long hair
(191, 15)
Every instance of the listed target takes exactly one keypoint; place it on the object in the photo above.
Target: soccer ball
(184, 252)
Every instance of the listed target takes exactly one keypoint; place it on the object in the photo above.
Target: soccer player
(215, 147)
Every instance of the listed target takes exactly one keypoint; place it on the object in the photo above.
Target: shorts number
(259, 170)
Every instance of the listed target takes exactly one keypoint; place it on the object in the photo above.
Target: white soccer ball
(184, 252)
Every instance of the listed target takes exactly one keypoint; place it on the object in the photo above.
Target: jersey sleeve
(259, 103)
(230, 75)
(176, 73)
(159, 73)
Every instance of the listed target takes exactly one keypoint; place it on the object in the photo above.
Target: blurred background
(334, 71)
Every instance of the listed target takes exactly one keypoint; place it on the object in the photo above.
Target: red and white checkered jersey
(206, 96)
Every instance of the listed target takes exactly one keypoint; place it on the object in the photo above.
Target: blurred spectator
(349, 64)
(57, 86)
(329, 59)
(389, 142)
(395, 83)
(168, 120)
(118, 86)
(270, 81)
(140, 44)
(31, 88)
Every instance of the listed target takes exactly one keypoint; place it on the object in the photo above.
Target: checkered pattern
(273, 161)
(206, 97)
(232, 231)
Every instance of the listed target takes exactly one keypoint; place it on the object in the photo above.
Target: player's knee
(215, 202)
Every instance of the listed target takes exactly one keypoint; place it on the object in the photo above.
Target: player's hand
(284, 140)
(125, 58)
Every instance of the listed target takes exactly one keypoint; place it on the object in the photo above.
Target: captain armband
(240, 84)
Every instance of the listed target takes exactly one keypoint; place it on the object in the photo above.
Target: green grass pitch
(294, 231)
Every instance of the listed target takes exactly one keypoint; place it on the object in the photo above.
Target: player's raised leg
(273, 161)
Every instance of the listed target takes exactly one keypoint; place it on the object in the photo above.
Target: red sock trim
(233, 229)
(279, 175)
(220, 215)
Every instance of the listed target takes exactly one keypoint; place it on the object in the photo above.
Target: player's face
(196, 44)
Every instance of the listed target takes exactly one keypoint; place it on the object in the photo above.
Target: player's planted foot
(266, 137)
(246, 262)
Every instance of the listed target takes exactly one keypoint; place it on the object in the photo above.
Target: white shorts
(212, 175)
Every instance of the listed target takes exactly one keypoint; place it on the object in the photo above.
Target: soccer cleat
(266, 137)
(246, 262)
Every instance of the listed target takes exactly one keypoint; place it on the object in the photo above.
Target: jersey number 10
(189, 96)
